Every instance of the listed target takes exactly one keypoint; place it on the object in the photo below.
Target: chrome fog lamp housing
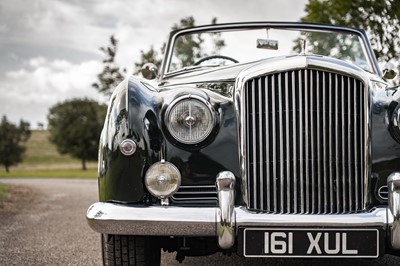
(162, 179)
(190, 119)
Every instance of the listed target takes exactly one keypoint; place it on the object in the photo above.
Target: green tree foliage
(149, 56)
(11, 139)
(112, 74)
(188, 49)
(380, 18)
(75, 127)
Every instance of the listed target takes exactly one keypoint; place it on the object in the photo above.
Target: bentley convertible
(261, 139)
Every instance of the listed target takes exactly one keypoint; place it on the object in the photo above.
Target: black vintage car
(261, 139)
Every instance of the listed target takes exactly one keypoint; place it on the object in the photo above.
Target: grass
(3, 192)
(42, 160)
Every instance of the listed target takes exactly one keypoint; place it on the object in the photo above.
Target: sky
(49, 49)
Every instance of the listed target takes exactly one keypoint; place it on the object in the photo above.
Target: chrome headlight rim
(203, 139)
(394, 123)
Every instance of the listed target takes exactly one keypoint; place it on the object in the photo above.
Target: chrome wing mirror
(389, 71)
(149, 71)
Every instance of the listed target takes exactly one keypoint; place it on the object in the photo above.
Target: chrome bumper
(223, 221)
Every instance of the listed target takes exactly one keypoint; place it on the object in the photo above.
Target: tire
(119, 250)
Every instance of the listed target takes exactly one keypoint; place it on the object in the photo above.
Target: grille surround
(325, 187)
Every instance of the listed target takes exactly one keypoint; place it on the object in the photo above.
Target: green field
(41, 159)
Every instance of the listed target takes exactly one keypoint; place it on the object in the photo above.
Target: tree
(188, 49)
(11, 139)
(75, 127)
(380, 18)
(149, 56)
(112, 74)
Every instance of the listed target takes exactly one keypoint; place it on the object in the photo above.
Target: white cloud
(44, 84)
(37, 61)
(49, 49)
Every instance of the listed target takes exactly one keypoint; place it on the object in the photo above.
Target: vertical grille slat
(363, 152)
(306, 140)
(349, 145)
(330, 157)
(306, 130)
(253, 112)
(267, 138)
(280, 126)
(312, 126)
(301, 144)
(343, 150)
(294, 122)
(324, 146)
(355, 141)
(261, 142)
(320, 176)
(274, 143)
(287, 126)
(337, 126)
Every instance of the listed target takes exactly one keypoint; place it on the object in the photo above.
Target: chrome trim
(274, 159)
(394, 209)
(260, 151)
(127, 147)
(383, 192)
(375, 218)
(111, 218)
(189, 97)
(226, 212)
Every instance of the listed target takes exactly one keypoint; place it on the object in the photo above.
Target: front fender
(132, 114)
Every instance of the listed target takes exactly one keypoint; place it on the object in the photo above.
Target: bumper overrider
(224, 221)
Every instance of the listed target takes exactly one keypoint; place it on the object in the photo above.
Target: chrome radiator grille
(306, 142)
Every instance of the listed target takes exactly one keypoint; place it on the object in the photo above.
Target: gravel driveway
(46, 226)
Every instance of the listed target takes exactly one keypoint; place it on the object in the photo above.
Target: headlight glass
(190, 120)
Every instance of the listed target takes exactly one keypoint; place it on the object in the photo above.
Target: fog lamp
(163, 179)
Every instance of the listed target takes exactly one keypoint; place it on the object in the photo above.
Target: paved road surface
(47, 226)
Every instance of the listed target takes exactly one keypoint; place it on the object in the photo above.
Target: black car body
(253, 156)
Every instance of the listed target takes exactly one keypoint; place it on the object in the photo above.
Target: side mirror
(389, 71)
(149, 71)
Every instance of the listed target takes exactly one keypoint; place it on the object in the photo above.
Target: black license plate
(277, 242)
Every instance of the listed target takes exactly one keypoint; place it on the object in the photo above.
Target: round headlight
(190, 120)
(162, 179)
(394, 123)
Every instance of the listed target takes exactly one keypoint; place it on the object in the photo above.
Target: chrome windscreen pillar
(393, 183)
(226, 211)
